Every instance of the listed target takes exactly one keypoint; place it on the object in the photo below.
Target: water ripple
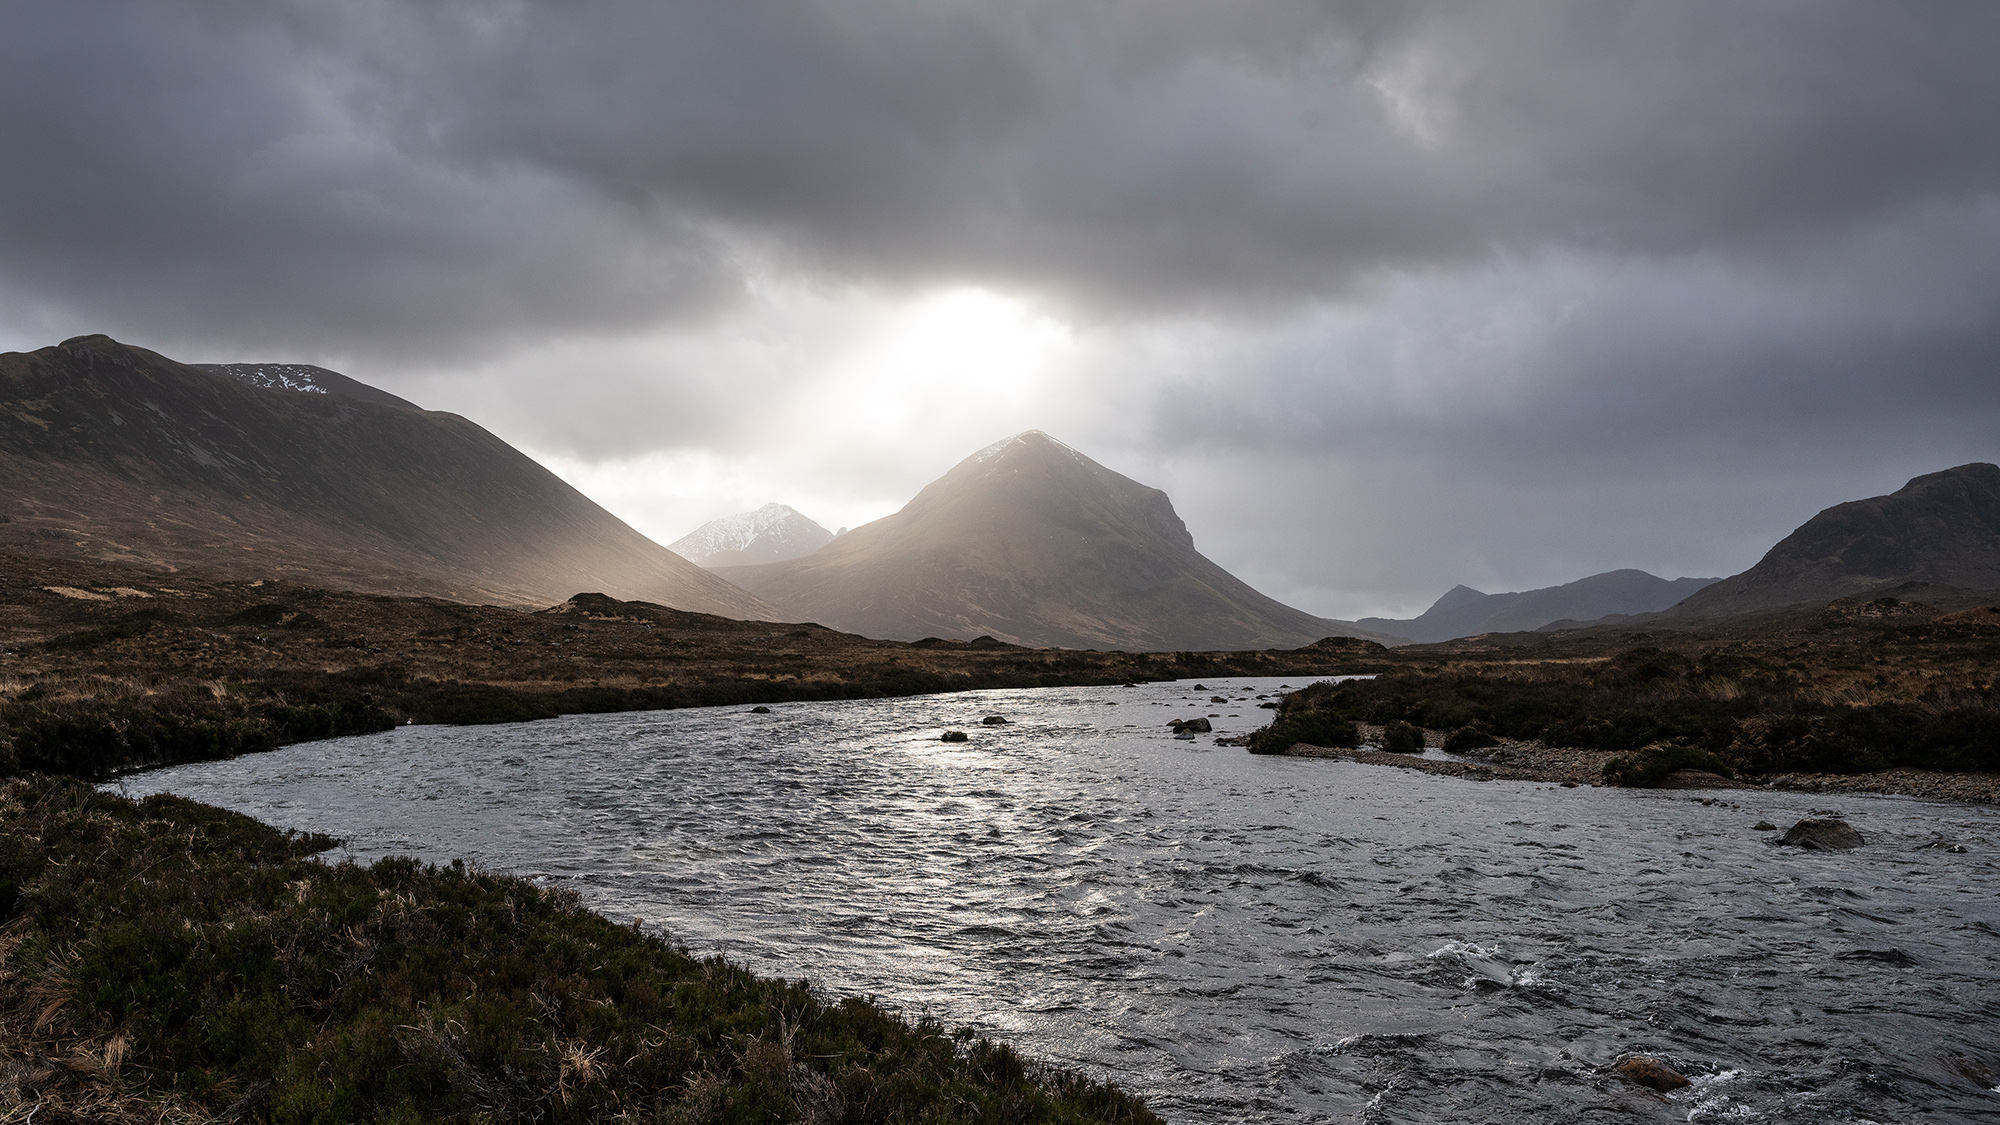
(1238, 938)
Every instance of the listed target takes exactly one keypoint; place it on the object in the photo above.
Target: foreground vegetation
(167, 961)
(1853, 687)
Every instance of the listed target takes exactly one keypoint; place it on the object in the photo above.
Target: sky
(1387, 296)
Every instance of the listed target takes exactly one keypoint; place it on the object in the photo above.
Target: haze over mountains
(772, 533)
(1465, 612)
(114, 452)
(1940, 529)
(287, 470)
(1031, 542)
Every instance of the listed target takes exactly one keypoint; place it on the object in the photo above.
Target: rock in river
(1190, 726)
(1823, 834)
(995, 720)
(1652, 1073)
(952, 736)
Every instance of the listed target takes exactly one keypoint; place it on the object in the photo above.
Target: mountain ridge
(1940, 529)
(1465, 612)
(120, 454)
(1031, 542)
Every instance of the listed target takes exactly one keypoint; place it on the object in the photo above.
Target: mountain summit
(1941, 528)
(772, 533)
(1031, 542)
(117, 453)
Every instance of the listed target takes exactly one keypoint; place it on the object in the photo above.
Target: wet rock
(1652, 1074)
(1763, 826)
(952, 736)
(1218, 699)
(1190, 726)
(995, 721)
(1822, 834)
(760, 709)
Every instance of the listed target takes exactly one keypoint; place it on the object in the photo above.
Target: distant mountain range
(1940, 529)
(1031, 542)
(772, 533)
(271, 470)
(1465, 612)
(115, 453)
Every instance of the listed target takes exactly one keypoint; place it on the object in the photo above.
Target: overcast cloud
(1389, 296)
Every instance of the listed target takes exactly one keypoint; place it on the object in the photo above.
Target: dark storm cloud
(447, 174)
(1667, 275)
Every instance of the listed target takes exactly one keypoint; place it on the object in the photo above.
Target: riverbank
(1883, 696)
(1531, 760)
(107, 669)
(166, 961)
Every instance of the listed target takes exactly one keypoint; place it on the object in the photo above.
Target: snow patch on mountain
(302, 377)
(772, 533)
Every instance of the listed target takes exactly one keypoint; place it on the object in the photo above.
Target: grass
(167, 961)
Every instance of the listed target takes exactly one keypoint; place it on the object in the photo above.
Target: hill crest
(1031, 542)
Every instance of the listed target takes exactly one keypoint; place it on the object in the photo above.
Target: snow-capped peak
(772, 533)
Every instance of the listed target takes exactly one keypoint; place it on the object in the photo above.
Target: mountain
(116, 453)
(1031, 542)
(306, 379)
(1465, 612)
(1942, 529)
(772, 533)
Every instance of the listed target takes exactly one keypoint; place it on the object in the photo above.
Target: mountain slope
(305, 379)
(116, 453)
(1031, 542)
(1465, 612)
(772, 533)
(1941, 528)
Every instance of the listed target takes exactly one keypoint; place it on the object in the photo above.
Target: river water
(1236, 938)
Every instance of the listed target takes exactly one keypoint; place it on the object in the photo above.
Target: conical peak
(1025, 443)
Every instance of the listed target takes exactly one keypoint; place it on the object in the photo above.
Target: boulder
(1190, 726)
(994, 721)
(1763, 826)
(1218, 699)
(952, 736)
(1652, 1074)
(1822, 834)
(760, 709)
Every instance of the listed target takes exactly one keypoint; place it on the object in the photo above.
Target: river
(1236, 938)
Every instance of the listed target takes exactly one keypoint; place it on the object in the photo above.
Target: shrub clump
(1314, 728)
(1646, 768)
(1402, 738)
(1468, 738)
(171, 961)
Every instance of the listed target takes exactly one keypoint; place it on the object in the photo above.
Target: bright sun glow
(958, 355)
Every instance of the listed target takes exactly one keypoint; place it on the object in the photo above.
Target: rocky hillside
(1031, 542)
(115, 453)
(1465, 612)
(305, 379)
(772, 533)
(1941, 529)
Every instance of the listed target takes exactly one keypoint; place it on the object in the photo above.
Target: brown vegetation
(1852, 695)
(105, 668)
